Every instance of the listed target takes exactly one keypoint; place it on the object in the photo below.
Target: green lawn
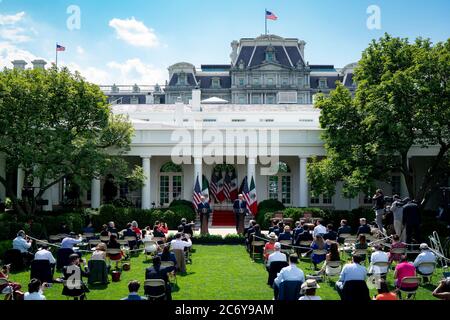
(218, 273)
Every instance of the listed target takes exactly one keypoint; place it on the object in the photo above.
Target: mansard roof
(252, 56)
(206, 81)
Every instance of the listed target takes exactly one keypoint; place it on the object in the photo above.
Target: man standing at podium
(240, 210)
(204, 209)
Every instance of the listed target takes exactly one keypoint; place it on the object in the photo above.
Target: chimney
(301, 46)
(179, 112)
(196, 99)
(19, 64)
(38, 64)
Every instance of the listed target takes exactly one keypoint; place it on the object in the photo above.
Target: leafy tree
(402, 102)
(54, 124)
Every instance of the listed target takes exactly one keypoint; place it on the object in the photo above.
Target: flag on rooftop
(271, 16)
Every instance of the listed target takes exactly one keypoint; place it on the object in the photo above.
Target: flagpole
(265, 19)
(56, 55)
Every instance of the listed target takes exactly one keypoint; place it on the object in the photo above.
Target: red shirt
(163, 229)
(386, 296)
(405, 269)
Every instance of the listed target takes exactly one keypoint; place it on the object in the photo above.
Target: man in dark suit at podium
(204, 210)
(240, 211)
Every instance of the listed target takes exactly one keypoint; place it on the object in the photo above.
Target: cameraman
(443, 290)
(379, 203)
(397, 211)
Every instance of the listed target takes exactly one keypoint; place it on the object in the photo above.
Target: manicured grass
(223, 272)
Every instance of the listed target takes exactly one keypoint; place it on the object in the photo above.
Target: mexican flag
(252, 199)
(205, 187)
(220, 195)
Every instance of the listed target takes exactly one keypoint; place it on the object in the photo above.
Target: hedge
(121, 216)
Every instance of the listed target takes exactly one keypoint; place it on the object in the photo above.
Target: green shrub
(122, 203)
(266, 206)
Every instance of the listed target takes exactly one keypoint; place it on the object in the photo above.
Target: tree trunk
(16, 205)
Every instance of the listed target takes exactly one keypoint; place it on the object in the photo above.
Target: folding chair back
(159, 239)
(167, 264)
(305, 243)
(98, 272)
(94, 243)
(401, 251)
(360, 252)
(54, 238)
(88, 235)
(155, 288)
(104, 238)
(274, 268)
(256, 244)
(41, 269)
(333, 268)
(14, 257)
(431, 265)
(411, 290)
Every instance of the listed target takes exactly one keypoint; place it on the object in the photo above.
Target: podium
(240, 222)
(204, 221)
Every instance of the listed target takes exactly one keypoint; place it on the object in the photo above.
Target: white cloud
(9, 52)
(11, 19)
(126, 73)
(134, 32)
(11, 32)
(80, 50)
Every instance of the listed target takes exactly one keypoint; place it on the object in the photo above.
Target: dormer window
(215, 83)
(182, 79)
(323, 83)
(270, 54)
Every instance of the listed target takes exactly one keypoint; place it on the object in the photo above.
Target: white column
(20, 182)
(146, 189)
(303, 183)
(95, 193)
(3, 175)
(251, 169)
(198, 171)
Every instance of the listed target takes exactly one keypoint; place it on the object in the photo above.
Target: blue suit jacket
(237, 206)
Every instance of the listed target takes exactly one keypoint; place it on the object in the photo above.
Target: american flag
(60, 48)
(271, 16)
(197, 197)
(246, 192)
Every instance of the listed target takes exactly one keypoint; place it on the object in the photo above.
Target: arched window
(280, 184)
(170, 183)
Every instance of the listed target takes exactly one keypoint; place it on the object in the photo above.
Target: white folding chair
(431, 265)
(155, 283)
(412, 281)
(333, 268)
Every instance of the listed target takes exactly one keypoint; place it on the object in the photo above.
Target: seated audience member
(74, 274)
(44, 254)
(332, 256)
(187, 227)
(277, 255)
(71, 240)
(105, 231)
(4, 274)
(89, 228)
(166, 255)
(163, 227)
(35, 290)
(298, 228)
(274, 225)
(318, 244)
(353, 271)
(128, 232)
(363, 228)
(319, 229)
(343, 229)
(156, 272)
(286, 234)
(146, 235)
(99, 252)
(378, 256)
(157, 233)
(425, 256)
(112, 228)
(23, 244)
(309, 290)
(133, 289)
(113, 244)
(402, 270)
(330, 234)
(270, 246)
(250, 229)
(306, 235)
(289, 273)
(443, 290)
(279, 228)
(383, 291)
(361, 244)
(396, 244)
(136, 230)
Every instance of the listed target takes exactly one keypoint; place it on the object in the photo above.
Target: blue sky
(136, 40)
